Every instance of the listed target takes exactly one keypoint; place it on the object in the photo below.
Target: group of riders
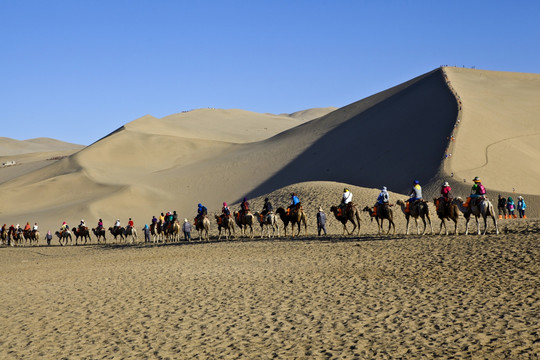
(478, 191)
(16, 232)
(267, 209)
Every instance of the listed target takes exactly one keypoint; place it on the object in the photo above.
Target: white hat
(446, 183)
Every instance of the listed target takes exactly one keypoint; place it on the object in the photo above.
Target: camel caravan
(272, 223)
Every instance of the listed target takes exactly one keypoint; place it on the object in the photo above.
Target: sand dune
(210, 156)
(499, 135)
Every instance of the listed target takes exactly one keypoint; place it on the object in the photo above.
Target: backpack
(481, 189)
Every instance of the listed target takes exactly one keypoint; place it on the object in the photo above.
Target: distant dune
(209, 156)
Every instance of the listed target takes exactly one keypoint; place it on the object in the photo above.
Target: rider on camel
(346, 198)
(99, 225)
(201, 212)
(267, 207)
(446, 194)
(130, 224)
(82, 225)
(225, 210)
(117, 224)
(295, 203)
(478, 190)
(244, 207)
(27, 226)
(382, 200)
(415, 195)
(35, 227)
(64, 227)
(166, 219)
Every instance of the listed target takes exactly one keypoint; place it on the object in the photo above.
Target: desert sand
(334, 297)
(351, 296)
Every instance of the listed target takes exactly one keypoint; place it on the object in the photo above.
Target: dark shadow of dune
(390, 138)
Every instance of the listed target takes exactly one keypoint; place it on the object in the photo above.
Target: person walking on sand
(521, 206)
(186, 228)
(501, 206)
(48, 237)
(321, 222)
(146, 230)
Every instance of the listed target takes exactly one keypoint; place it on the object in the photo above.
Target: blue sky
(76, 70)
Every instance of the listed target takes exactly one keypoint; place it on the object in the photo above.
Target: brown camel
(294, 217)
(418, 209)
(268, 221)
(227, 224)
(483, 208)
(32, 236)
(350, 214)
(382, 214)
(117, 232)
(202, 226)
(100, 233)
(82, 233)
(63, 237)
(245, 221)
(447, 211)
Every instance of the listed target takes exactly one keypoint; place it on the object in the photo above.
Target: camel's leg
(495, 223)
(485, 225)
(407, 231)
(431, 225)
(477, 225)
(440, 227)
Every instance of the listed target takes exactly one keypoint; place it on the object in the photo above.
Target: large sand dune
(210, 155)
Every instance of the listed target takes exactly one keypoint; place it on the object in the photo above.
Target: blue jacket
(295, 200)
(521, 205)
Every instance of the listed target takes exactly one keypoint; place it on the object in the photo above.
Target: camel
(156, 231)
(31, 236)
(82, 233)
(268, 221)
(117, 232)
(15, 237)
(483, 208)
(63, 237)
(130, 231)
(351, 214)
(295, 217)
(4, 235)
(227, 224)
(447, 212)
(244, 222)
(384, 212)
(172, 231)
(202, 226)
(417, 210)
(100, 234)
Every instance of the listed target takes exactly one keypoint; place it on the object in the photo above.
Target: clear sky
(75, 70)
